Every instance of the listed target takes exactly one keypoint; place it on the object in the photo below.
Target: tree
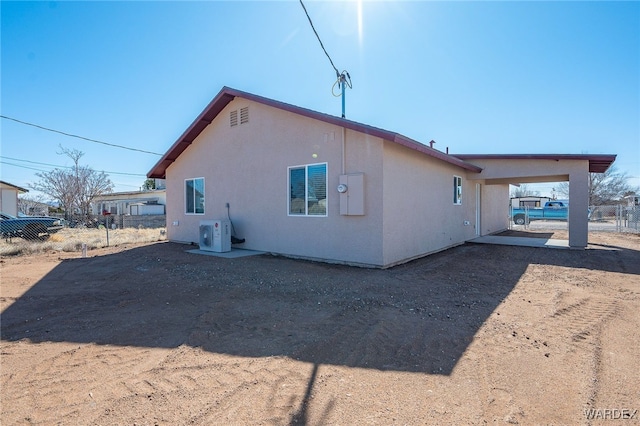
(149, 185)
(91, 184)
(523, 191)
(58, 184)
(32, 205)
(604, 188)
(76, 188)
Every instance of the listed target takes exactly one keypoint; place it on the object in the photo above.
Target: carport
(535, 168)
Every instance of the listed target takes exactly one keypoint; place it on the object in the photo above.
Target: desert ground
(148, 334)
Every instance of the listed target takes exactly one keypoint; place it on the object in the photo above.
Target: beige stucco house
(311, 185)
(9, 197)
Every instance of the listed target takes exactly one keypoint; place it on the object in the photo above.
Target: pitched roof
(598, 163)
(227, 94)
(16, 187)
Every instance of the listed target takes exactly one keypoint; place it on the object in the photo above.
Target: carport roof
(598, 163)
(227, 94)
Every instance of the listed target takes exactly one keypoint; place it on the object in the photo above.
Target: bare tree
(604, 188)
(58, 184)
(91, 185)
(32, 205)
(523, 190)
(75, 188)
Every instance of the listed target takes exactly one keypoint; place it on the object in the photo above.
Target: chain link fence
(618, 218)
(611, 218)
(79, 233)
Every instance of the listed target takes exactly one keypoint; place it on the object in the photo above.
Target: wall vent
(244, 115)
(233, 118)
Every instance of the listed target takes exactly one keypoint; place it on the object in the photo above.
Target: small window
(308, 190)
(233, 118)
(194, 196)
(457, 190)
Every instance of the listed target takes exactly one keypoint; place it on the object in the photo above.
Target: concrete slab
(233, 254)
(521, 241)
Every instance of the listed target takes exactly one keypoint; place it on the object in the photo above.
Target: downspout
(344, 152)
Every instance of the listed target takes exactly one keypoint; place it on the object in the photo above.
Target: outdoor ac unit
(215, 235)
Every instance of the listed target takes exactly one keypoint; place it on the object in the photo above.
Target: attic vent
(233, 118)
(244, 115)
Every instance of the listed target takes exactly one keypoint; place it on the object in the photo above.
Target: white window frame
(194, 212)
(457, 190)
(306, 187)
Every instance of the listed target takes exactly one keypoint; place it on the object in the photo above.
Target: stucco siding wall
(9, 201)
(576, 171)
(419, 214)
(246, 166)
(495, 209)
(528, 170)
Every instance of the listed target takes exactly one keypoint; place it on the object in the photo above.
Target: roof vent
(233, 118)
(244, 115)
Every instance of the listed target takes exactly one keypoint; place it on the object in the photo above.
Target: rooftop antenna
(342, 79)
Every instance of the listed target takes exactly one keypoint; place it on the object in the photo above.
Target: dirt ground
(151, 334)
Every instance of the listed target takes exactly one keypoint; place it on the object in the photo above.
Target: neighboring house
(311, 185)
(520, 202)
(9, 197)
(631, 200)
(32, 208)
(150, 202)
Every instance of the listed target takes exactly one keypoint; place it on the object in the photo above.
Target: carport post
(578, 208)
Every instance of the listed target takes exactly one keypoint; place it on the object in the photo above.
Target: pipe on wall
(344, 150)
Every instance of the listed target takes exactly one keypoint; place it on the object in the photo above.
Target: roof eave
(16, 187)
(410, 143)
(226, 95)
(598, 163)
(197, 126)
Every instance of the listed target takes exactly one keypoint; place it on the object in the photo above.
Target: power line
(24, 167)
(40, 170)
(33, 162)
(76, 136)
(318, 37)
(344, 79)
(55, 165)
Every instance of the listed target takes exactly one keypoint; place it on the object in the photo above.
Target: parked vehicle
(28, 227)
(552, 210)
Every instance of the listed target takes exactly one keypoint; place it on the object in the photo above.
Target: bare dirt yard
(148, 334)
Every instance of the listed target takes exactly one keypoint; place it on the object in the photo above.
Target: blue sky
(477, 77)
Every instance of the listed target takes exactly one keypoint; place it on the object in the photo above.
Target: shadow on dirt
(526, 234)
(418, 317)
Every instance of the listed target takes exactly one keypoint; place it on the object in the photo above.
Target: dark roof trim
(598, 163)
(227, 94)
(18, 188)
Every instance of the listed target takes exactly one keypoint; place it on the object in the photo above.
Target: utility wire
(24, 167)
(55, 165)
(40, 170)
(76, 136)
(318, 37)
